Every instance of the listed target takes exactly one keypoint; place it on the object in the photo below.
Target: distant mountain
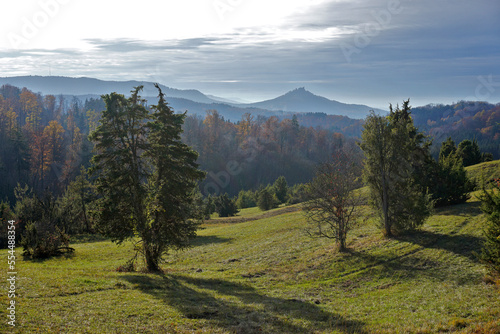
(230, 112)
(296, 101)
(301, 100)
(224, 100)
(81, 86)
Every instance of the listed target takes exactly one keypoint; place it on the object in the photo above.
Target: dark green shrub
(43, 235)
(298, 194)
(267, 199)
(280, 187)
(246, 199)
(468, 151)
(451, 184)
(208, 206)
(5, 215)
(44, 240)
(225, 206)
(491, 207)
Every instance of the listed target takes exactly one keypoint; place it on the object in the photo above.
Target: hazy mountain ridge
(301, 100)
(90, 86)
(296, 101)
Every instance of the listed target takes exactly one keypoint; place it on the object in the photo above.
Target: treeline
(256, 151)
(43, 140)
(460, 121)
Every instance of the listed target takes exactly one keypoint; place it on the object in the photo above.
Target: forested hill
(463, 120)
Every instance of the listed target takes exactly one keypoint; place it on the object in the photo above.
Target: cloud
(123, 45)
(427, 49)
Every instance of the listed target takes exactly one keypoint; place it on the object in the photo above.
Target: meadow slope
(265, 275)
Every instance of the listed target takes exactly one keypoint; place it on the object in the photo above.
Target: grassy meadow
(486, 170)
(260, 273)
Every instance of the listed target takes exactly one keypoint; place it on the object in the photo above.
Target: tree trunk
(151, 259)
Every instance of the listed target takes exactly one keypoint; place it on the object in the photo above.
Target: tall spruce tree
(145, 175)
(469, 151)
(448, 148)
(449, 182)
(281, 189)
(394, 151)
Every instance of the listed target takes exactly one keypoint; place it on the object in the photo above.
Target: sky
(373, 52)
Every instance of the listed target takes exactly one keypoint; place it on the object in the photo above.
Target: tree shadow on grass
(460, 244)
(412, 264)
(409, 266)
(202, 240)
(465, 245)
(464, 209)
(239, 308)
(64, 255)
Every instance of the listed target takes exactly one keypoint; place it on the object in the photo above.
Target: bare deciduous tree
(331, 212)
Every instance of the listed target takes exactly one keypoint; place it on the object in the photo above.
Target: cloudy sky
(359, 51)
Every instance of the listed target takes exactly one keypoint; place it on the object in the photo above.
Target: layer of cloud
(369, 51)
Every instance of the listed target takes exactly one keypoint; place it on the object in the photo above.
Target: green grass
(265, 275)
(488, 170)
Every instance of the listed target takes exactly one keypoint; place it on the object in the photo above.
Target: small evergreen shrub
(267, 199)
(246, 199)
(225, 206)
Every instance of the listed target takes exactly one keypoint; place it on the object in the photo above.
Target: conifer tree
(266, 199)
(449, 181)
(491, 207)
(394, 151)
(225, 206)
(469, 151)
(77, 204)
(146, 176)
(447, 148)
(171, 187)
(281, 189)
